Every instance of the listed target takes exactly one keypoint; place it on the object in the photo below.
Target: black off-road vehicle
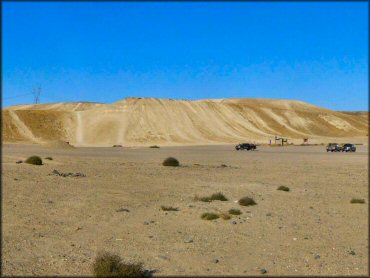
(245, 146)
(348, 148)
(333, 147)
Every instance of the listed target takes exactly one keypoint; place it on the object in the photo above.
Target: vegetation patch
(247, 201)
(215, 196)
(34, 160)
(111, 265)
(357, 201)
(117, 146)
(210, 216)
(49, 158)
(165, 208)
(154, 147)
(283, 188)
(235, 211)
(171, 161)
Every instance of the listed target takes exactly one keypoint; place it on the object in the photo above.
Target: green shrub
(111, 265)
(247, 201)
(357, 201)
(209, 216)
(154, 147)
(35, 160)
(283, 188)
(49, 158)
(215, 196)
(171, 161)
(235, 211)
(165, 208)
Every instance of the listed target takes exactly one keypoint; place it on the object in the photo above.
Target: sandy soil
(55, 225)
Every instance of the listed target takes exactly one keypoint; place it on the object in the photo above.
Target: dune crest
(147, 121)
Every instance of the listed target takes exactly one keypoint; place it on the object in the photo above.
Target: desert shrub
(49, 158)
(165, 208)
(247, 201)
(171, 161)
(357, 201)
(209, 216)
(283, 188)
(154, 147)
(225, 216)
(215, 196)
(117, 146)
(235, 211)
(111, 265)
(35, 160)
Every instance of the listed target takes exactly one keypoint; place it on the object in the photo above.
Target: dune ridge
(147, 121)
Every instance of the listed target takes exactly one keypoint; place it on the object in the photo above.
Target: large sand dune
(145, 121)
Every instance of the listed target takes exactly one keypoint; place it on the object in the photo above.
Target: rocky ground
(109, 199)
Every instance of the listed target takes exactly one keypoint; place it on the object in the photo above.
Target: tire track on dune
(79, 128)
(22, 128)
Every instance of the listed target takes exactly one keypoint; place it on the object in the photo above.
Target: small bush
(169, 208)
(171, 161)
(357, 201)
(154, 147)
(49, 158)
(235, 211)
(215, 196)
(117, 146)
(209, 216)
(35, 160)
(247, 201)
(283, 188)
(225, 216)
(111, 265)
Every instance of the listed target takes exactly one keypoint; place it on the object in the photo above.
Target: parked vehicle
(348, 148)
(333, 147)
(245, 146)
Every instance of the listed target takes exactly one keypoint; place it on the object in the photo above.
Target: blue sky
(104, 52)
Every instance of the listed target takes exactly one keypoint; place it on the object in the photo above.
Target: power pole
(36, 94)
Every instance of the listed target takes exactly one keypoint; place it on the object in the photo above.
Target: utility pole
(36, 94)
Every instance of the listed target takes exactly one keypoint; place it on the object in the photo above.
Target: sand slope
(145, 121)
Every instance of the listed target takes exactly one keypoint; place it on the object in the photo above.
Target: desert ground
(55, 225)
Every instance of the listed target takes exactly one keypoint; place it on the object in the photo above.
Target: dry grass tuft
(111, 265)
(215, 196)
(225, 216)
(283, 188)
(165, 208)
(247, 201)
(357, 201)
(171, 161)
(235, 212)
(34, 160)
(210, 216)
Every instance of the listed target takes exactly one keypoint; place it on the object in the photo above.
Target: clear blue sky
(104, 52)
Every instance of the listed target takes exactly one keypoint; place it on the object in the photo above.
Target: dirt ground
(54, 225)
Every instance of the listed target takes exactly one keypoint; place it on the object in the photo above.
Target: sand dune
(146, 121)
